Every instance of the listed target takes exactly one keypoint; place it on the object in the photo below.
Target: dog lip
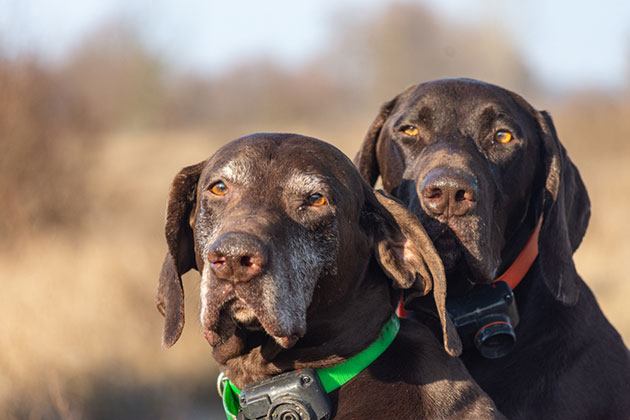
(451, 248)
(211, 337)
(251, 321)
(459, 268)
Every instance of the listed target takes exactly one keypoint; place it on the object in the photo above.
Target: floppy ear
(180, 256)
(408, 257)
(366, 160)
(379, 154)
(566, 211)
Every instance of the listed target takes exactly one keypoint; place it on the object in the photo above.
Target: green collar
(332, 377)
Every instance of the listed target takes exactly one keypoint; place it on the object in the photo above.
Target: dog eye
(219, 188)
(409, 130)
(503, 136)
(317, 200)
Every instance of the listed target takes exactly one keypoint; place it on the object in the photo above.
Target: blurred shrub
(119, 81)
(368, 59)
(46, 142)
(404, 43)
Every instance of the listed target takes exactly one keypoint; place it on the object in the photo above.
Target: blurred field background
(91, 137)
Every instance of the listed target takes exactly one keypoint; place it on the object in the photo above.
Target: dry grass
(80, 337)
(596, 134)
(79, 334)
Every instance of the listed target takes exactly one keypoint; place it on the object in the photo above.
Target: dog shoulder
(416, 378)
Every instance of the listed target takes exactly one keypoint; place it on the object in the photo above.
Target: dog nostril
(464, 195)
(246, 261)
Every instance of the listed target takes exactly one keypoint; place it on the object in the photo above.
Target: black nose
(447, 191)
(237, 257)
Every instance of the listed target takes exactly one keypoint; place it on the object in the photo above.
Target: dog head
(283, 230)
(479, 165)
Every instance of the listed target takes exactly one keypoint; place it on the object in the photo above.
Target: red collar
(523, 262)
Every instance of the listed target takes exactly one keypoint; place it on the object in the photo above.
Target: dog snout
(238, 257)
(448, 192)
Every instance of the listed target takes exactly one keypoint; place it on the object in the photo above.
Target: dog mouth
(244, 316)
(237, 330)
(463, 271)
(271, 309)
(247, 326)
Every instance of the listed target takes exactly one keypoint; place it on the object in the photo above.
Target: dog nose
(446, 191)
(237, 257)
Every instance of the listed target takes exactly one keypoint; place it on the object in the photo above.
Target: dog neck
(336, 331)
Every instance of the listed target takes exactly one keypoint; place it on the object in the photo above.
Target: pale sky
(568, 44)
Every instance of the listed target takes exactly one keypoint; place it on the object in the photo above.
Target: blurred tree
(405, 44)
(45, 140)
(368, 60)
(120, 81)
(260, 91)
(188, 101)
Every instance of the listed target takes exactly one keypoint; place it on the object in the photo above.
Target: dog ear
(381, 157)
(566, 211)
(366, 160)
(407, 255)
(180, 256)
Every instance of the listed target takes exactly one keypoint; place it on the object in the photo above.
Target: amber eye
(409, 130)
(503, 136)
(219, 188)
(317, 200)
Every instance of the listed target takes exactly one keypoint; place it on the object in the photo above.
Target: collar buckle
(222, 382)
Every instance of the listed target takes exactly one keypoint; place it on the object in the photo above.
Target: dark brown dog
(479, 167)
(300, 268)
